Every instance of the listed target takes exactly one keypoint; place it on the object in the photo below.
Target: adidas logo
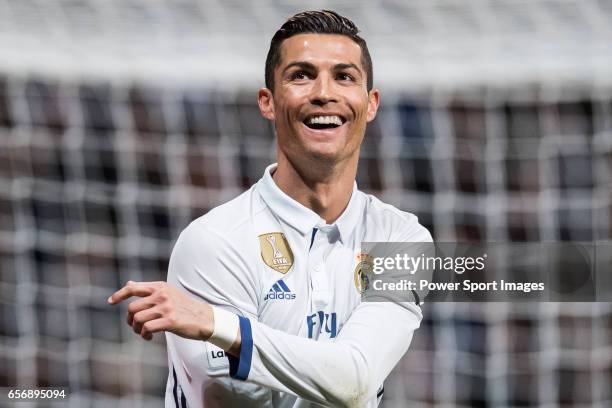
(280, 291)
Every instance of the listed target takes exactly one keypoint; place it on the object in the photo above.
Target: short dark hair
(317, 22)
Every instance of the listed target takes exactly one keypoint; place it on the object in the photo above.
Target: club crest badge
(276, 252)
(363, 271)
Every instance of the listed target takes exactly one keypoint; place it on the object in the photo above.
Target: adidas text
(279, 296)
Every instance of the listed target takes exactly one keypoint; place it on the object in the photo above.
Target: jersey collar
(351, 215)
(302, 218)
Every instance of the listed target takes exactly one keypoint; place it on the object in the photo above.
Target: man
(262, 305)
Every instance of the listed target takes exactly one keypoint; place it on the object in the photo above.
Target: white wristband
(226, 328)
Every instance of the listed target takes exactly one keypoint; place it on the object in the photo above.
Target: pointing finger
(140, 289)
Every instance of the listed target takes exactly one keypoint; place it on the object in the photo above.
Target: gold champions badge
(276, 252)
(363, 271)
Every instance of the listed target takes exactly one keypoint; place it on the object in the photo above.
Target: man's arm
(205, 270)
(343, 372)
(348, 370)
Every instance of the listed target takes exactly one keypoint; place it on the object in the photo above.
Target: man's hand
(163, 307)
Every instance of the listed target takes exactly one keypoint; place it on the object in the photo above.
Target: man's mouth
(324, 121)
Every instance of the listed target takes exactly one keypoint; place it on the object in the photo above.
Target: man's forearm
(344, 372)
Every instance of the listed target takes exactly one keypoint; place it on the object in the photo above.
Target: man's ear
(266, 103)
(373, 102)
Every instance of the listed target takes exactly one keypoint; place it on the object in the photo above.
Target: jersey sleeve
(206, 267)
(346, 371)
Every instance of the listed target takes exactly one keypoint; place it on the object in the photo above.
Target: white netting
(122, 121)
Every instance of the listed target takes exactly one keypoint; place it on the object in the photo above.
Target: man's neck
(326, 191)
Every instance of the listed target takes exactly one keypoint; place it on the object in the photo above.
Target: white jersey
(307, 339)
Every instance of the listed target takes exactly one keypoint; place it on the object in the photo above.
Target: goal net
(122, 121)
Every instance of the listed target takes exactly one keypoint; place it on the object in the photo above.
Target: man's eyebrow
(308, 66)
(340, 67)
(300, 64)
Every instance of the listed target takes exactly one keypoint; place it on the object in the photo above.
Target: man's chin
(316, 156)
(325, 154)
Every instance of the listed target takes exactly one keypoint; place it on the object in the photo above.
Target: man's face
(320, 102)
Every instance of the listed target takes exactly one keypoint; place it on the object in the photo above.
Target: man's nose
(324, 90)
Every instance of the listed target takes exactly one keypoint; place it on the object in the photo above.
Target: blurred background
(122, 120)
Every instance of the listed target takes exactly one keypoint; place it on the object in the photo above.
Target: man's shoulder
(232, 216)
(396, 224)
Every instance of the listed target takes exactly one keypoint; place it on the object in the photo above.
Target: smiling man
(263, 301)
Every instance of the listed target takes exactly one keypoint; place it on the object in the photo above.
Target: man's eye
(300, 75)
(345, 77)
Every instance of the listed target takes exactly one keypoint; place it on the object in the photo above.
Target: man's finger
(137, 306)
(131, 289)
(143, 317)
(154, 326)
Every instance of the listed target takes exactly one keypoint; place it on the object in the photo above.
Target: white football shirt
(306, 335)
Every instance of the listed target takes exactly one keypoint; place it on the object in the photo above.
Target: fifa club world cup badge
(276, 252)
(363, 271)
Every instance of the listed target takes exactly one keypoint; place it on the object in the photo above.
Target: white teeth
(325, 120)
